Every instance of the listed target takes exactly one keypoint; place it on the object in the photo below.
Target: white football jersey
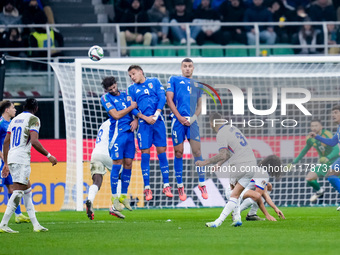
(20, 141)
(231, 138)
(102, 141)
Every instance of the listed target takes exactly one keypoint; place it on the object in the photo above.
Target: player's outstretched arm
(328, 141)
(222, 156)
(270, 202)
(38, 146)
(173, 108)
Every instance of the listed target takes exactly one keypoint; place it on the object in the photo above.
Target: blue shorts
(336, 165)
(122, 146)
(179, 132)
(151, 134)
(6, 181)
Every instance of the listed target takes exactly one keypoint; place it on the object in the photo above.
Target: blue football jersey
(3, 131)
(186, 94)
(119, 103)
(149, 95)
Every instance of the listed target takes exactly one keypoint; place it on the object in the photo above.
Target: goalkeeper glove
(323, 160)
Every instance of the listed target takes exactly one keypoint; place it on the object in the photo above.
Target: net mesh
(274, 133)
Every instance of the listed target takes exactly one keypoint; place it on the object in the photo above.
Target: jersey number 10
(16, 136)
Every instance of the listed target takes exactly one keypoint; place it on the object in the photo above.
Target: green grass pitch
(177, 231)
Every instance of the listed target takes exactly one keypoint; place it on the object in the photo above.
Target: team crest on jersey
(108, 105)
(150, 85)
(36, 124)
(169, 86)
(263, 182)
(117, 154)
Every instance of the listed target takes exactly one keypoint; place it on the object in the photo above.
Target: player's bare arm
(173, 108)
(119, 114)
(197, 112)
(37, 145)
(222, 156)
(270, 202)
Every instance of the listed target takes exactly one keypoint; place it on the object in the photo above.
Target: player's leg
(178, 137)
(195, 142)
(19, 217)
(333, 175)
(144, 137)
(311, 179)
(125, 177)
(159, 140)
(228, 208)
(97, 172)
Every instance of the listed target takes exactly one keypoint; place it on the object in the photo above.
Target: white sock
(30, 207)
(92, 192)
(237, 212)
(228, 208)
(246, 204)
(166, 185)
(201, 184)
(147, 187)
(11, 206)
(254, 208)
(180, 185)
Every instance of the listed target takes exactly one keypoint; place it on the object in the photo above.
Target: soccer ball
(96, 53)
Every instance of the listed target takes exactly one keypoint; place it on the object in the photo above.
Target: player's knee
(128, 165)
(178, 154)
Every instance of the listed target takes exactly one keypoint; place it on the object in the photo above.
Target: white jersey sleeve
(20, 142)
(102, 141)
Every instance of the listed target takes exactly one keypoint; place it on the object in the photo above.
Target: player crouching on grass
(269, 167)
(235, 151)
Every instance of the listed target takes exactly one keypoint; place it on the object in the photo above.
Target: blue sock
(126, 176)
(18, 210)
(145, 165)
(335, 181)
(114, 178)
(163, 163)
(201, 174)
(179, 170)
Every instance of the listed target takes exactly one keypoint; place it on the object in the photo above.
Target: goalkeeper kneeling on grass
(269, 167)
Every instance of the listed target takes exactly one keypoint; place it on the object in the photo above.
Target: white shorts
(20, 173)
(242, 175)
(98, 164)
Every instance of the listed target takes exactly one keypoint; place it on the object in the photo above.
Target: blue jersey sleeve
(171, 85)
(106, 102)
(134, 111)
(329, 141)
(160, 94)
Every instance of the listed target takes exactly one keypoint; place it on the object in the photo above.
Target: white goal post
(80, 83)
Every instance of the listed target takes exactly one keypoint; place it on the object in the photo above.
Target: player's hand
(312, 134)
(150, 120)
(323, 160)
(53, 160)
(270, 218)
(280, 214)
(200, 163)
(5, 171)
(184, 121)
(134, 105)
(134, 125)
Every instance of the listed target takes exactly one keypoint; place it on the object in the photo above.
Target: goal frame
(80, 62)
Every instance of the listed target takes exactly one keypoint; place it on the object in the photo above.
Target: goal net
(271, 100)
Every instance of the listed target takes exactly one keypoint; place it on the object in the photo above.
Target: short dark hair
(187, 60)
(272, 163)
(30, 104)
(137, 67)
(336, 107)
(108, 82)
(316, 120)
(214, 116)
(5, 104)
